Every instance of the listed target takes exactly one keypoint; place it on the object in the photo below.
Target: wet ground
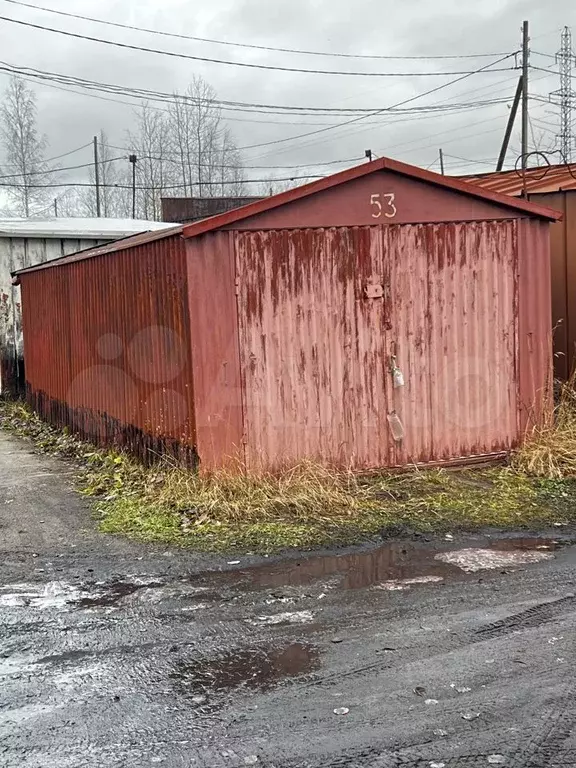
(456, 651)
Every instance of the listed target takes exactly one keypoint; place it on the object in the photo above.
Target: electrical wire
(59, 170)
(248, 45)
(392, 122)
(377, 112)
(249, 65)
(225, 105)
(174, 159)
(157, 188)
(58, 157)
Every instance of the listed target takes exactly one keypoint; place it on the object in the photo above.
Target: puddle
(255, 669)
(528, 543)
(473, 560)
(54, 594)
(399, 565)
(111, 593)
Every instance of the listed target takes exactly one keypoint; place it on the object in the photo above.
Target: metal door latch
(374, 291)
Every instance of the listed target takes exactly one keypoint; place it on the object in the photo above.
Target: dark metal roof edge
(100, 250)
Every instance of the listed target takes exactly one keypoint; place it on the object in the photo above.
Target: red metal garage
(382, 316)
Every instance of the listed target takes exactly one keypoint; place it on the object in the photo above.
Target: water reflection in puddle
(257, 669)
(408, 562)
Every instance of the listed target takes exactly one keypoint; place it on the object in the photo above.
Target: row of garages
(380, 317)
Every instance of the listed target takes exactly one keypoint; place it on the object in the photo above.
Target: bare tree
(154, 168)
(24, 147)
(208, 161)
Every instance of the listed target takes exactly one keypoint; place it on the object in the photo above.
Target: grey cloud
(418, 27)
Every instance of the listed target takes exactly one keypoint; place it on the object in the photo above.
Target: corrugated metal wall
(108, 348)
(313, 351)
(316, 349)
(534, 327)
(454, 321)
(17, 253)
(563, 266)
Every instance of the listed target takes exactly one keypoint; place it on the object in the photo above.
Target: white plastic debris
(434, 764)
(341, 711)
(449, 537)
(470, 715)
(394, 585)
(472, 560)
(398, 378)
(430, 701)
(296, 617)
(251, 760)
(233, 562)
(460, 688)
(554, 640)
(496, 759)
(440, 732)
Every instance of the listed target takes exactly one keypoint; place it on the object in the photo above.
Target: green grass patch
(306, 506)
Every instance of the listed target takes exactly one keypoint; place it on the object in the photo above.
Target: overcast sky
(377, 27)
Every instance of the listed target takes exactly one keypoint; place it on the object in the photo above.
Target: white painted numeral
(377, 208)
(392, 208)
(375, 203)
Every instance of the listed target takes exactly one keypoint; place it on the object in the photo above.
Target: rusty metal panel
(214, 337)
(323, 312)
(454, 328)
(187, 209)
(544, 179)
(431, 197)
(534, 327)
(312, 346)
(383, 197)
(107, 348)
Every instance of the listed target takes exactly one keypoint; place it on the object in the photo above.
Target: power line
(58, 157)
(377, 112)
(225, 105)
(58, 170)
(187, 56)
(248, 45)
(391, 122)
(174, 158)
(240, 106)
(159, 187)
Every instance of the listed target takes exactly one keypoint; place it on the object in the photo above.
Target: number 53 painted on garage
(383, 204)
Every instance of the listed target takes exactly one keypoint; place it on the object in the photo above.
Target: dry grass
(311, 505)
(549, 451)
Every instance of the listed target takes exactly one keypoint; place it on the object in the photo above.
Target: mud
(395, 562)
(260, 669)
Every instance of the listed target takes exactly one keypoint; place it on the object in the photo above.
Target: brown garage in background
(555, 187)
(382, 316)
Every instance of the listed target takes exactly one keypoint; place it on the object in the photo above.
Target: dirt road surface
(438, 654)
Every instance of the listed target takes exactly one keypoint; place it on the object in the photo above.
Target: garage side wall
(18, 253)
(107, 348)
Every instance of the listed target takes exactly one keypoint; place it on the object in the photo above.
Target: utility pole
(133, 159)
(525, 62)
(441, 161)
(97, 176)
(510, 125)
(56, 207)
(368, 155)
(565, 59)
